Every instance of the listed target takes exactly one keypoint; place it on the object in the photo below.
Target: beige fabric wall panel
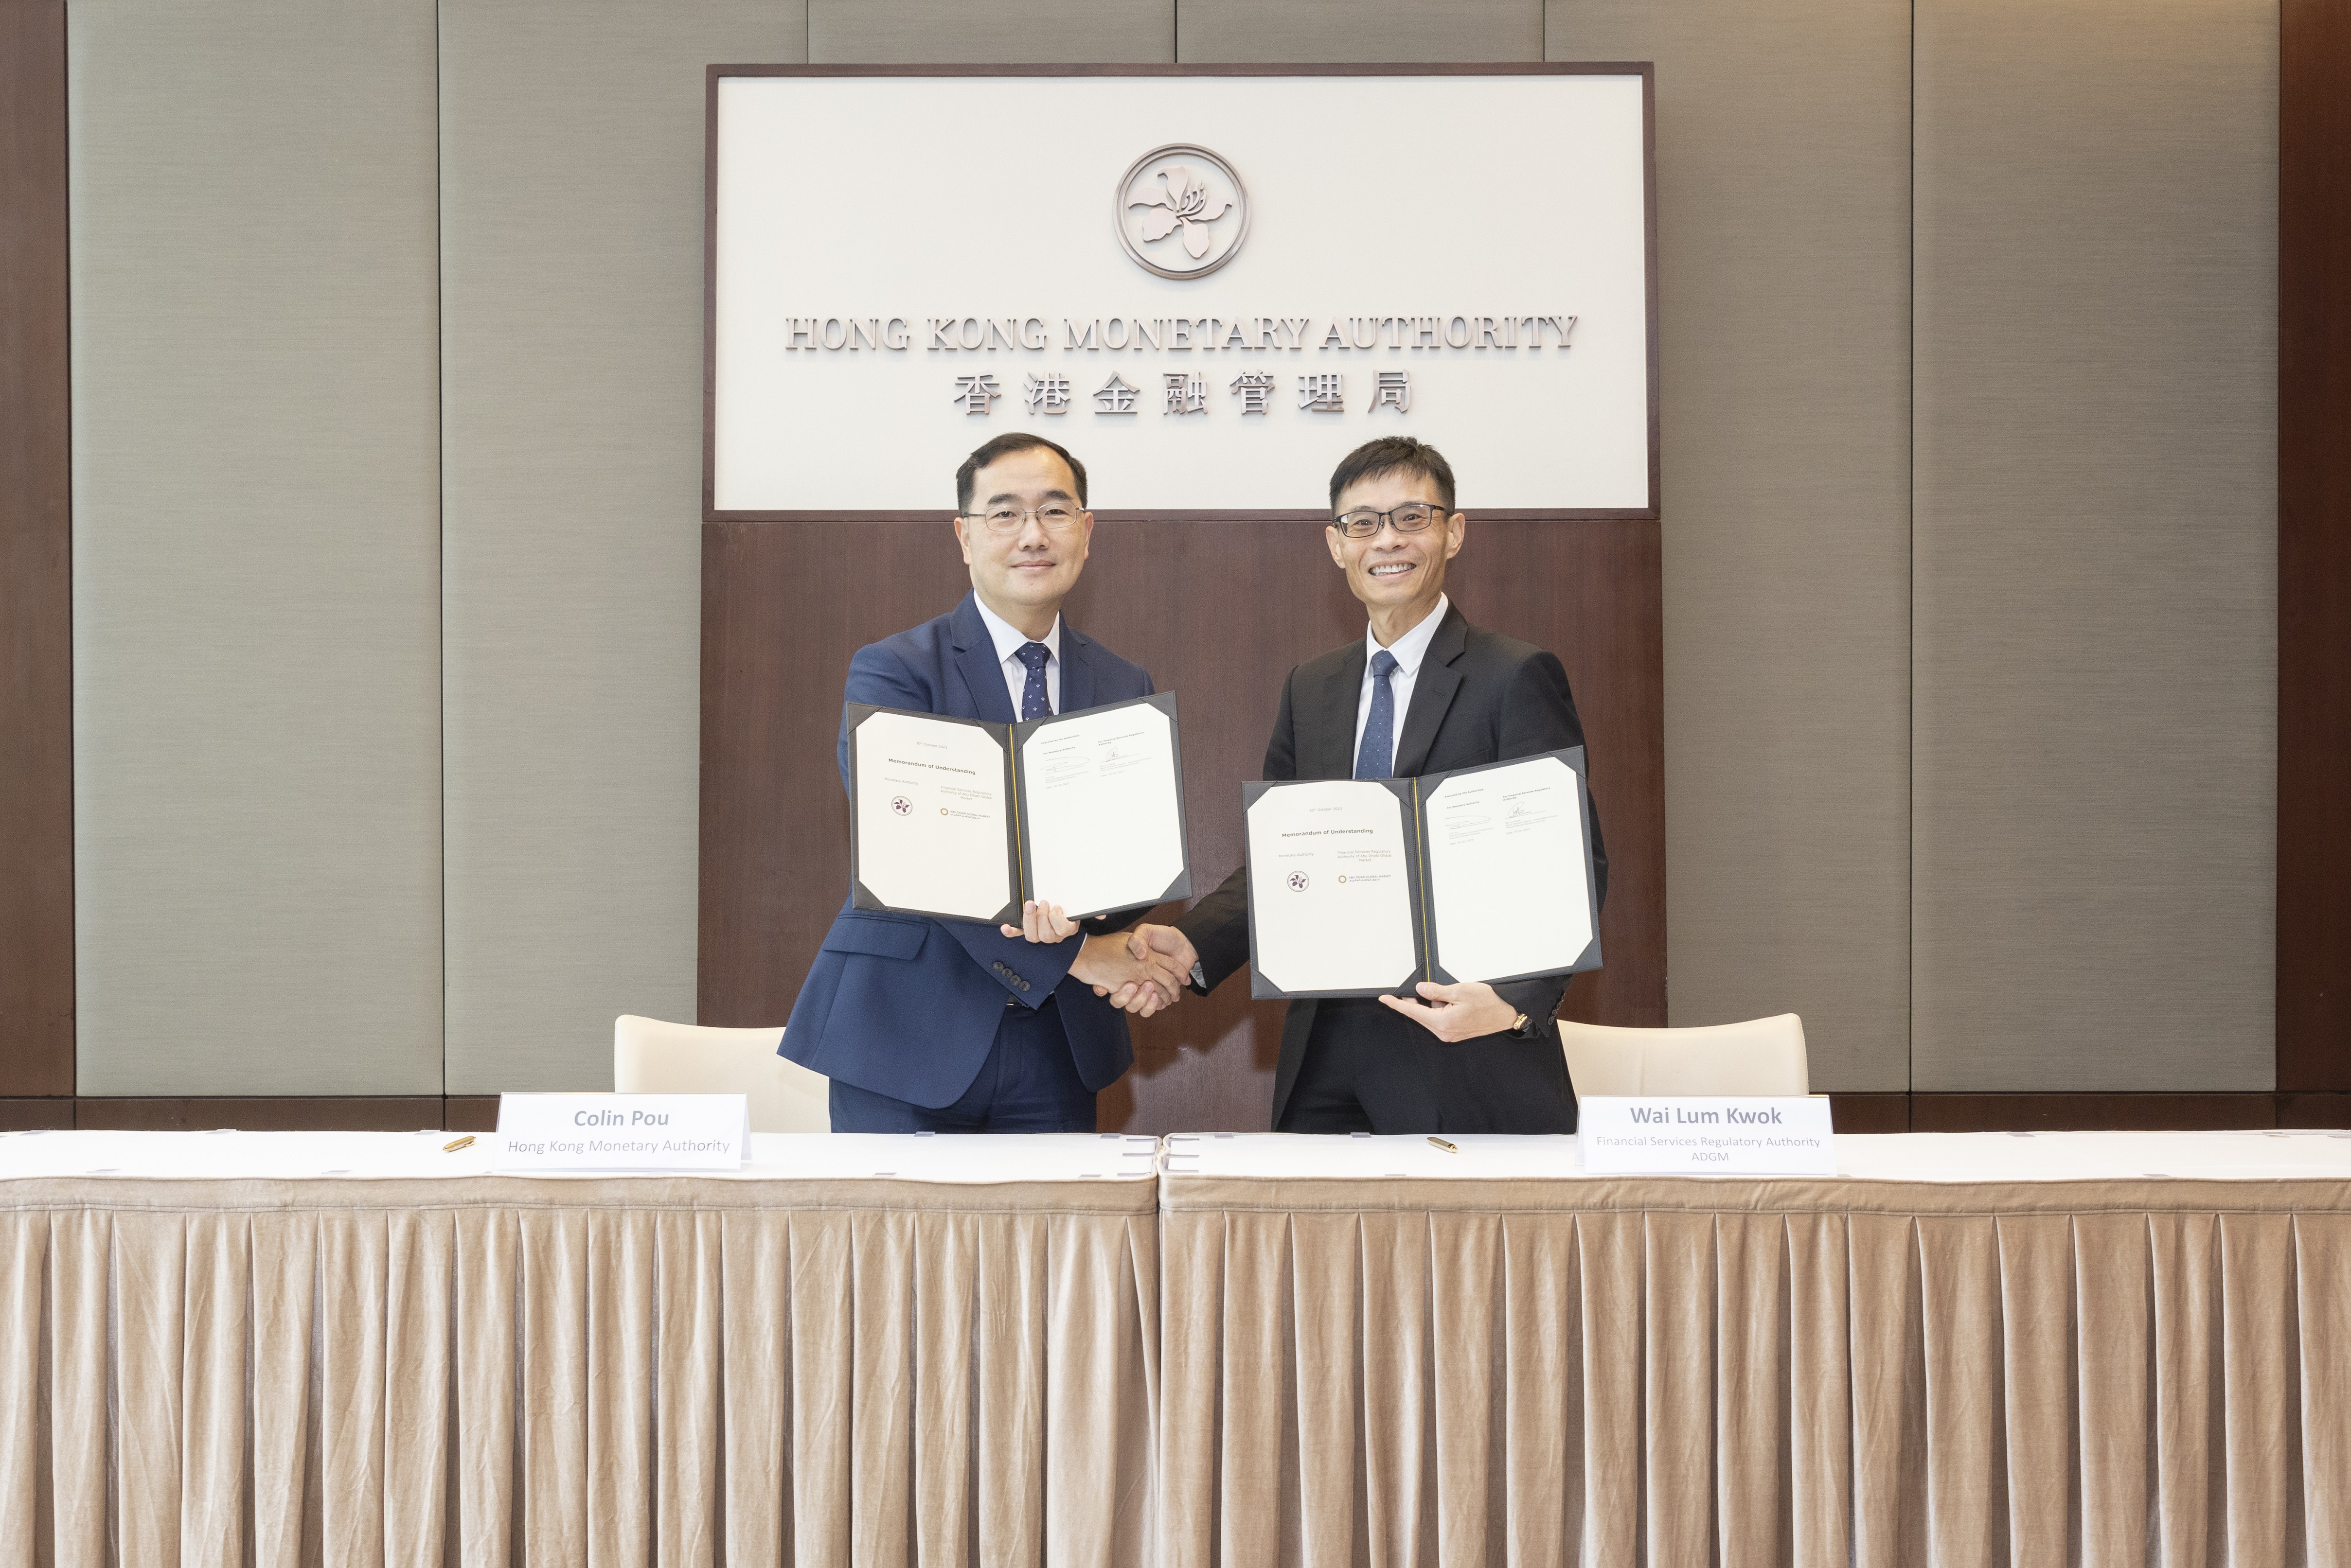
(571, 293)
(990, 32)
(257, 658)
(2097, 544)
(1783, 142)
(1392, 32)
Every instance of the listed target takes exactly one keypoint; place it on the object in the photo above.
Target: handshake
(1142, 972)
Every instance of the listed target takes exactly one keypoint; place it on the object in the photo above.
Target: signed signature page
(1506, 871)
(1104, 810)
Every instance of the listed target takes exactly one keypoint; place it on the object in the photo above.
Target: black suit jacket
(1480, 697)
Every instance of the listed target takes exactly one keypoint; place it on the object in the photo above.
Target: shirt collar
(1412, 646)
(1009, 639)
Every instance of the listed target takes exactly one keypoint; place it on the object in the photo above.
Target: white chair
(1761, 1056)
(650, 1057)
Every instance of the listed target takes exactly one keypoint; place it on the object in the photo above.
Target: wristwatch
(1522, 1027)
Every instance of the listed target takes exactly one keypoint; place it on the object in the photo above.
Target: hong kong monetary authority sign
(1209, 285)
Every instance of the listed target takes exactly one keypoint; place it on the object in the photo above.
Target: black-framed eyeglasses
(1409, 518)
(1055, 516)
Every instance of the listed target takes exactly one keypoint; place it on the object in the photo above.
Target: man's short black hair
(1005, 446)
(1392, 454)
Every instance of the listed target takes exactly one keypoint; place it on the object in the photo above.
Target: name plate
(1705, 1135)
(622, 1132)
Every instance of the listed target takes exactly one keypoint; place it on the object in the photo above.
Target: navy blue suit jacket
(908, 1006)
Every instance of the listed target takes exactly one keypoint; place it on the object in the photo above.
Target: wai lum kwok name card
(545, 1133)
(1705, 1135)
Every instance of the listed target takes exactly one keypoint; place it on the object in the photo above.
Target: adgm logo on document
(1181, 210)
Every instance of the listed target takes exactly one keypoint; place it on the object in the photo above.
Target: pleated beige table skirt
(499, 1371)
(676, 1371)
(1664, 1372)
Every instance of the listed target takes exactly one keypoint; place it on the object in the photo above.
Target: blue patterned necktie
(1376, 758)
(1034, 704)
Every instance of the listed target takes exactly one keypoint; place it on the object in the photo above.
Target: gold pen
(461, 1143)
(1443, 1145)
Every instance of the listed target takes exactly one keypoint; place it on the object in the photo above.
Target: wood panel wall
(1218, 612)
(37, 922)
(2313, 762)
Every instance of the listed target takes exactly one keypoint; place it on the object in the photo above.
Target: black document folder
(1368, 887)
(963, 819)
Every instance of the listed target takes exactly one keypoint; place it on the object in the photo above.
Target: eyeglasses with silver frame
(1055, 516)
(1409, 518)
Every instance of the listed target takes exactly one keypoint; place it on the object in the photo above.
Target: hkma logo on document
(1180, 212)
(1299, 881)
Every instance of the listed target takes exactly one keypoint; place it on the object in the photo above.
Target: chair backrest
(1760, 1056)
(650, 1057)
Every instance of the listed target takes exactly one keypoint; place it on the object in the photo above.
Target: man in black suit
(1424, 693)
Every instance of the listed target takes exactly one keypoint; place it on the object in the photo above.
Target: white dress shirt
(1410, 650)
(1009, 640)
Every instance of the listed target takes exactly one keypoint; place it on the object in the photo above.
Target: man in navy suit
(930, 1025)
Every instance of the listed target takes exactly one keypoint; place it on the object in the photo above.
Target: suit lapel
(1326, 728)
(1432, 692)
(982, 671)
(1077, 671)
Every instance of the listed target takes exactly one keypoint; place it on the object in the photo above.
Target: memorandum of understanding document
(933, 815)
(965, 820)
(1507, 892)
(1102, 803)
(1330, 889)
(1363, 888)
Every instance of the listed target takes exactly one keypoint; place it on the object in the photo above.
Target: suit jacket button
(1021, 984)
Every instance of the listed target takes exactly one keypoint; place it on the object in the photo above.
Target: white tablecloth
(2266, 1156)
(959, 1159)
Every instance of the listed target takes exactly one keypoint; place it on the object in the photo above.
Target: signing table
(359, 1348)
(1977, 1349)
(296, 1348)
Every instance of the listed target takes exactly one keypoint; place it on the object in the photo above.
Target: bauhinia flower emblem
(1183, 202)
(1185, 192)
